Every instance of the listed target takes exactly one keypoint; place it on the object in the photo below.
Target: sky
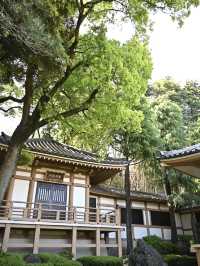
(175, 51)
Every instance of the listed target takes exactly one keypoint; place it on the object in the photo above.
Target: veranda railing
(18, 210)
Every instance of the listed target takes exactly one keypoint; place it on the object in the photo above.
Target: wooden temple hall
(58, 204)
(187, 160)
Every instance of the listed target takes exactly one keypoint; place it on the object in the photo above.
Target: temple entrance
(52, 197)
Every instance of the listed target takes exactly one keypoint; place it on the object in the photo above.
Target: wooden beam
(74, 239)
(119, 242)
(98, 243)
(36, 240)
(6, 237)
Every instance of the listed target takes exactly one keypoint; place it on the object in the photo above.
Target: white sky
(175, 51)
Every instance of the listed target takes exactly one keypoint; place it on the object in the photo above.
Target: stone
(32, 258)
(145, 255)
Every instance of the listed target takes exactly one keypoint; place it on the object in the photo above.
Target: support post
(74, 239)
(119, 242)
(6, 237)
(31, 191)
(98, 244)
(87, 197)
(36, 240)
(71, 197)
(147, 219)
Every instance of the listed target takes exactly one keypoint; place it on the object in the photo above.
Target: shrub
(178, 260)
(57, 260)
(11, 260)
(101, 261)
(162, 246)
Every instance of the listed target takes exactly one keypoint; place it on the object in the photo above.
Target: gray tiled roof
(120, 193)
(52, 147)
(180, 152)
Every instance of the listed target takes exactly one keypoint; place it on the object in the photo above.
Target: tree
(41, 47)
(174, 107)
(136, 145)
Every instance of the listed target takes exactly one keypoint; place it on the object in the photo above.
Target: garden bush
(57, 260)
(162, 246)
(178, 260)
(101, 261)
(7, 259)
(47, 259)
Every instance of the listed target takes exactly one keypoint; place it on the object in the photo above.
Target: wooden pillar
(147, 219)
(31, 185)
(98, 243)
(71, 197)
(31, 191)
(36, 240)
(119, 242)
(198, 256)
(6, 237)
(162, 230)
(87, 197)
(74, 239)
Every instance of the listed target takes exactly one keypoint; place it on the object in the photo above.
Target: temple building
(58, 203)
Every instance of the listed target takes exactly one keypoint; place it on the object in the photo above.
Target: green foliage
(48, 259)
(25, 158)
(11, 260)
(162, 246)
(57, 260)
(177, 260)
(101, 261)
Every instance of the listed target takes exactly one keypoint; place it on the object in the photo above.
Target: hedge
(162, 246)
(11, 260)
(178, 260)
(101, 261)
(47, 259)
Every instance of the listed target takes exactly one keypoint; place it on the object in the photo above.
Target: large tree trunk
(128, 214)
(7, 169)
(174, 236)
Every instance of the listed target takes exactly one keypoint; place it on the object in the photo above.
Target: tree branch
(83, 107)
(11, 98)
(9, 109)
(45, 98)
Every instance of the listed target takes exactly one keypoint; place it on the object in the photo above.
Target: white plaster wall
(79, 197)
(121, 203)
(186, 220)
(144, 216)
(40, 175)
(164, 207)
(178, 220)
(140, 232)
(20, 192)
(188, 233)
(180, 232)
(137, 204)
(167, 234)
(156, 231)
(107, 201)
(152, 206)
(23, 173)
(79, 181)
(123, 234)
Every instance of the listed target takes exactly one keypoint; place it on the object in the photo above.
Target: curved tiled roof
(180, 152)
(52, 147)
(120, 193)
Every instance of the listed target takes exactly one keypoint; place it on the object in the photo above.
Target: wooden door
(52, 197)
